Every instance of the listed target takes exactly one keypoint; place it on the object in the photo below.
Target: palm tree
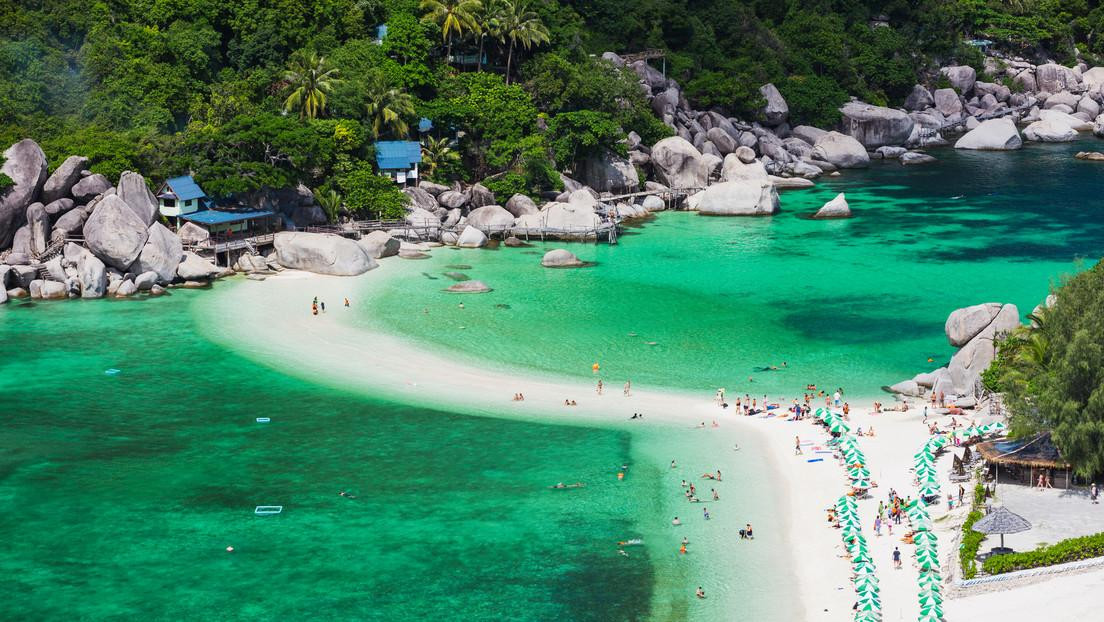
(388, 108)
(330, 202)
(310, 79)
(490, 25)
(437, 152)
(453, 16)
(520, 26)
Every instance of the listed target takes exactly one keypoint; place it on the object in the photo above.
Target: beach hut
(1023, 461)
(1001, 521)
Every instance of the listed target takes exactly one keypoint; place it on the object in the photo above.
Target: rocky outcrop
(472, 237)
(1054, 78)
(841, 151)
(962, 77)
(578, 221)
(1049, 131)
(420, 198)
(490, 218)
(38, 221)
(911, 158)
(836, 208)
(520, 205)
(775, 110)
(192, 234)
(114, 233)
(322, 253)
(90, 187)
(966, 323)
(1094, 156)
(132, 189)
(919, 99)
(64, 177)
(992, 135)
(560, 258)
(380, 244)
(678, 164)
(25, 163)
(92, 275)
(480, 196)
(609, 172)
(452, 199)
(875, 126)
(948, 103)
(739, 198)
(161, 253)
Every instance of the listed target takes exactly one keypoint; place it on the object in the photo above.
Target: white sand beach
(282, 332)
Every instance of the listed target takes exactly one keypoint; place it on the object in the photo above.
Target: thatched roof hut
(1025, 456)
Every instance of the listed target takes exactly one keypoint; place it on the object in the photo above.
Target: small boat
(263, 419)
(266, 510)
(631, 542)
(562, 486)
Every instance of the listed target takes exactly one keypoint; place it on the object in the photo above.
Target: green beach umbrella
(861, 484)
(862, 568)
(928, 562)
(930, 609)
(868, 616)
(930, 578)
(937, 442)
(931, 592)
(930, 616)
(838, 427)
(858, 472)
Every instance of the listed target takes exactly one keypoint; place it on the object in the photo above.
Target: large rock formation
(841, 151)
(1049, 131)
(1054, 78)
(919, 99)
(114, 233)
(62, 180)
(739, 198)
(322, 253)
(875, 126)
(90, 187)
(195, 268)
(380, 244)
(132, 189)
(775, 110)
(609, 172)
(520, 205)
(962, 77)
(575, 221)
(490, 218)
(92, 274)
(480, 196)
(471, 237)
(39, 223)
(25, 164)
(678, 164)
(964, 324)
(993, 135)
(161, 254)
(421, 198)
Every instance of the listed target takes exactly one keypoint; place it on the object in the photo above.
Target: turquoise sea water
(121, 492)
(697, 302)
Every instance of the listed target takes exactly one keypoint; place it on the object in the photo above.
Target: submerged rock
(469, 287)
(1095, 156)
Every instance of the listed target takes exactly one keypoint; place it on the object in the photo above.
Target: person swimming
(676, 521)
(700, 593)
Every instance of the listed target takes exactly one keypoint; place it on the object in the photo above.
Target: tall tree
(311, 80)
(520, 26)
(388, 108)
(437, 152)
(453, 16)
(489, 18)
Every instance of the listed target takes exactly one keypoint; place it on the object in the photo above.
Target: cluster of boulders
(1053, 102)
(125, 250)
(975, 331)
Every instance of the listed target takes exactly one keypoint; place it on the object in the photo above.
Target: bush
(369, 194)
(971, 540)
(507, 185)
(1070, 550)
(5, 181)
(813, 100)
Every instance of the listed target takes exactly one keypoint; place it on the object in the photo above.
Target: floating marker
(265, 510)
(111, 372)
(263, 419)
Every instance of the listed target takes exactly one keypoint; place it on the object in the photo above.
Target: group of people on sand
(570, 403)
(519, 397)
(317, 304)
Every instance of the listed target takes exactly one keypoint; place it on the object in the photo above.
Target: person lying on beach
(708, 476)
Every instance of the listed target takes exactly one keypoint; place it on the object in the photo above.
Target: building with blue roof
(181, 200)
(398, 160)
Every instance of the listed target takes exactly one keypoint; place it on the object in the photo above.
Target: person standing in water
(599, 386)
(346, 302)
(323, 303)
(628, 387)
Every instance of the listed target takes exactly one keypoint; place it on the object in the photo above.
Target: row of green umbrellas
(927, 544)
(977, 431)
(869, 608)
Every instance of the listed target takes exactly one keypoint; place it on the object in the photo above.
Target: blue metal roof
(424, 125)
(185, 188)
(398, 154)
(217, 217)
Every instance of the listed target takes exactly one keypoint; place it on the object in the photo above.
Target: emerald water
(697, 302)
(121, 492)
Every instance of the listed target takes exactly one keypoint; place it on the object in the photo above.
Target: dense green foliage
(369, 195)
(971, 540)
(1071, 550)
(165, 86)
(1055, 382)
(5, 181)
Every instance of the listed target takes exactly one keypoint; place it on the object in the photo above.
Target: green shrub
(1070, 550)
(5, 181)
(971, 540)
(507, 185)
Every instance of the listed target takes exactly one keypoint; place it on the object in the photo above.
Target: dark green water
(119, 494)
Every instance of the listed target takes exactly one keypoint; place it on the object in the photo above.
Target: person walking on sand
(797, 445)
(346, 303)
(599, 387)
(628, 387)
(896, 558)
(1093, 494)
(323, 303)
